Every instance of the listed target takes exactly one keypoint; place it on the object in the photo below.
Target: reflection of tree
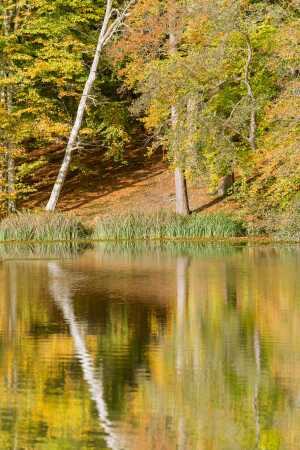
(230, 400)
(124, 327)
(257, 353)
(11, 271)
(182, 299)
(12, 297)
(237, 390)
(62, 295)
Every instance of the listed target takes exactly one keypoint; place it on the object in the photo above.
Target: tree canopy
(215, 84)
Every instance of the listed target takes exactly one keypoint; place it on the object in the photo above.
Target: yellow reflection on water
(151, 349)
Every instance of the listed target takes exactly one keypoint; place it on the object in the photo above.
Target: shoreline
(196, 240)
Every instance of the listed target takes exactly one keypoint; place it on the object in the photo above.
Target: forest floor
(97, 186)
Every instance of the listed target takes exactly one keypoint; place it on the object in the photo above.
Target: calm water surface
(191, 348)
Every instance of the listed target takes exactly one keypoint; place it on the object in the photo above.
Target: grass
(49, 227)
(43, 227)
(167, 226)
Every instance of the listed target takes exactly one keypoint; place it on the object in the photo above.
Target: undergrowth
(288, 226)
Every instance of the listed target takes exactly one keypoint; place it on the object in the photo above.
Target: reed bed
(44, 227)
(49, 227)
(167, 226)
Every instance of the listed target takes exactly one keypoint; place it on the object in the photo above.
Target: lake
(150, 347)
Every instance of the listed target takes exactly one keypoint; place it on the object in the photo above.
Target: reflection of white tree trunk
(257, 353)
(182, 298)
(61, 292)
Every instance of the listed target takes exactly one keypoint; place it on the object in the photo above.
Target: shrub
(288, 226)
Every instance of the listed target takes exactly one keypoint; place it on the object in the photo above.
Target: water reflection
(61, 292)
(157, 348)
(42, 250)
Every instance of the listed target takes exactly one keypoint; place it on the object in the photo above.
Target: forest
(149, 224)
(211, 88)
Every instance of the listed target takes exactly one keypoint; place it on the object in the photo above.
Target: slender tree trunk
(2, 176)
(182, 203)
(192, 114)
(9, 160)
(106, 33)
(253, 125)
(193, 106)
(3, 155)
(11, 201)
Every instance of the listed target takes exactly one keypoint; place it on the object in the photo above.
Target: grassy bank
(44, 227)
(168, 226)
(59, 227)
(63, 227)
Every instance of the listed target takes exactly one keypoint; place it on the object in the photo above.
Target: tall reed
(41, 227)
(167, 226)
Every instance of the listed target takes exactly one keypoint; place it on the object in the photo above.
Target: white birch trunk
(182, 203)
(106, 33)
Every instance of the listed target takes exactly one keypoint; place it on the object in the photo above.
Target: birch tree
(182, 202)
(108, 29)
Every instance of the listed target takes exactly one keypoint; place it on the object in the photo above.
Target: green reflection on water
(42, 250)
(153, 347)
